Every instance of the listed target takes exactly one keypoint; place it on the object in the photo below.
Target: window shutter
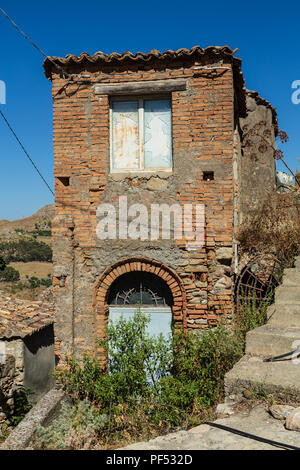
(125, 135)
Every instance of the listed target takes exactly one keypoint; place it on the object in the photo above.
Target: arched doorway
(165, 290)
(145, 292)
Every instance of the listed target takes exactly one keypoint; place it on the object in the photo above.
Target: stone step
(280, 335)
(288, 294)
(291, 277)
(284, 315)
(297, 263)
(272, 377)
(269, 340)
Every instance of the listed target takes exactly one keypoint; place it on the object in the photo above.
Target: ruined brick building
(26, 351)
(158, 128)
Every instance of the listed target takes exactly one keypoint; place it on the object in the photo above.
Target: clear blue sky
(266, 33)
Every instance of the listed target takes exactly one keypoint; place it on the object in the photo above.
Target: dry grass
(273, 228)
(27, 224)
(33, 268)
(25, 293)
(20, 289)
(47, 240)
(14, 237)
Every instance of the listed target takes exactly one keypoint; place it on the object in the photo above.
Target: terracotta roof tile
(19, 318)
(101, 57)
(71, 62)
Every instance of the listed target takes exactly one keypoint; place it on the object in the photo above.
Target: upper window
(141, 134)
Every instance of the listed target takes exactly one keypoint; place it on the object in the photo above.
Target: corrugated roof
(19, 318)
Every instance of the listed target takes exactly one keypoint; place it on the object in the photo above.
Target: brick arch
(161, 270)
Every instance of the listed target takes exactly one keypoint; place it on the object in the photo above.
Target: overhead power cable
(26, 153)
(37, 47)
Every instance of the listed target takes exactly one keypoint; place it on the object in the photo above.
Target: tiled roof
(82, 62)
(101, 57)
(218, 52)
(19, 318)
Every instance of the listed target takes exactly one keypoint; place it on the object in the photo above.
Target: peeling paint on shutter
(125, 135)
(158, 141)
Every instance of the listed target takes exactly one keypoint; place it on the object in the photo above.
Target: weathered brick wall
(202, 129)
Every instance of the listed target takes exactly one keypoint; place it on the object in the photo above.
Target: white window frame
(140, 99)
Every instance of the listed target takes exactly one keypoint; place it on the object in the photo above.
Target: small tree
(9, 274)
(2, 263)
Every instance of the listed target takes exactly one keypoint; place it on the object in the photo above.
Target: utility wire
(274, 358)
(37, 47)
(253, 436)
(26, 153)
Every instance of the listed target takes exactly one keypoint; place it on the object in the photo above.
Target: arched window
(148, 292)
(140, 288)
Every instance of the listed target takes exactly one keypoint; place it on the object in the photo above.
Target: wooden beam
(145, 87)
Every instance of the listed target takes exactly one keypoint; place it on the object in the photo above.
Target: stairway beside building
(280, 335)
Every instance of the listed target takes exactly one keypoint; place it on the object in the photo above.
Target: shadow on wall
(39, 361)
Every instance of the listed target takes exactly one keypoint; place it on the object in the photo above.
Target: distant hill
(41, 218)
(46, 211)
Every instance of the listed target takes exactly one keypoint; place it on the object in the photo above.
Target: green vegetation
(41, 230)
(25, 250)
(154, 385)
(11, 275)
(2, 263)
(22, 405)
(32, 283)
(35, 282)
(7, 273)
(4, 431)
(77, 427)
(253, 313)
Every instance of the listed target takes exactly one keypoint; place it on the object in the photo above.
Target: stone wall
(27, 363)
(7, 372)
(11, 377)
(42, 414)
(256, 161)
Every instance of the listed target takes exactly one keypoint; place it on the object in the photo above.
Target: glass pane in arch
(140, 288)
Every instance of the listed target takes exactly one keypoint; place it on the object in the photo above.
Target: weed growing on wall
(252, 313)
